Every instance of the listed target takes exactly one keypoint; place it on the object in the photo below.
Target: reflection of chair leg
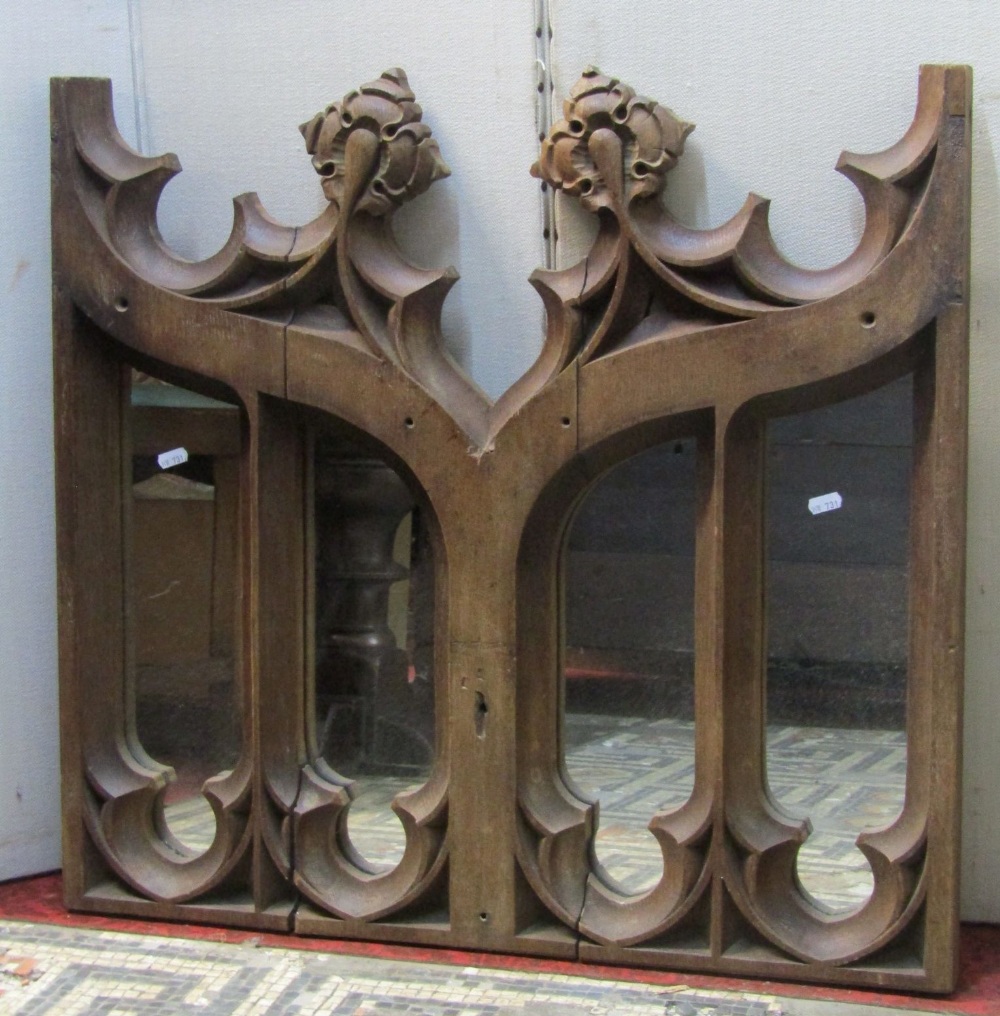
(420, 613)
(403, 719)
(341, 735)
(387, 726)
(404, 702)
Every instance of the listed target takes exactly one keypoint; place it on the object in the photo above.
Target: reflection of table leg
(370, 713)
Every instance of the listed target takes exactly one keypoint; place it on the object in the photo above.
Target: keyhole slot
(481, 710)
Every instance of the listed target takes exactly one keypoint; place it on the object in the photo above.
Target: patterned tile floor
(47, 970)
(844, 781)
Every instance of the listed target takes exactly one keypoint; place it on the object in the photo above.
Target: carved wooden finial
(403, 159)
(611, 145)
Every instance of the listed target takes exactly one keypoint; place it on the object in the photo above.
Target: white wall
(38, 40)
(776, 88)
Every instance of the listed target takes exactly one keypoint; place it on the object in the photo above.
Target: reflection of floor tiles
(372, 826)
(74, 972)
(844, 781)
(374, 829)
(191, 821)
(634, 768)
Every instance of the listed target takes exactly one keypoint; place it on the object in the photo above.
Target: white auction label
(825, 503)
(172, 458)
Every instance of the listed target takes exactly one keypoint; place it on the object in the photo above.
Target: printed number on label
(825, 503)
(172, 458)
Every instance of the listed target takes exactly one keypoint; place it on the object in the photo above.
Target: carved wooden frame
(660, 331)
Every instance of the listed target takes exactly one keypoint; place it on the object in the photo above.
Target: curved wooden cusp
(128, 827)
(120, 190)
(332, 874)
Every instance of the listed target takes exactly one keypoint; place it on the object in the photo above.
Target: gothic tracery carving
(661, 331)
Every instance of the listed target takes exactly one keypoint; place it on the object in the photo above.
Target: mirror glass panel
(838, 537)
(628, 651)
(183, 580)
(373, 619)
